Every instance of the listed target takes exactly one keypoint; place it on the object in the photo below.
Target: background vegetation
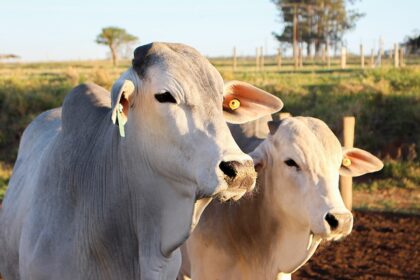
(384, 101)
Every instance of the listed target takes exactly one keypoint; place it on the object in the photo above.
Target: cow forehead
(182, 65)
(310, 139)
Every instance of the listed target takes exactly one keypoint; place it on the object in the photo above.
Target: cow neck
(130, 199)
(245, 231)
(163, 216)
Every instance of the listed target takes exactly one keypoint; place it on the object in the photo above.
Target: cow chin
(331, 236)
(311, 243)
(335, 236)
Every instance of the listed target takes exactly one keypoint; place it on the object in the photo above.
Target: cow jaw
(298, 245)
(313, 242)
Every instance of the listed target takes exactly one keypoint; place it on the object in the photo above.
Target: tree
(114, 38)
(315, 22)
(412, 43)
(9, 56)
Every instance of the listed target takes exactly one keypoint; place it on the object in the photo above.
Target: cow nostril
(228, 168)
(332, 221)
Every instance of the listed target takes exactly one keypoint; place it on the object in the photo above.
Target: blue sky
(65, 30)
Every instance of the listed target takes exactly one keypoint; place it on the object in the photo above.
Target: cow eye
(165, 97)
(290, 162)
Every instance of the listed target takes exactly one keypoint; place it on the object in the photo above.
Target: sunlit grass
(5, 173)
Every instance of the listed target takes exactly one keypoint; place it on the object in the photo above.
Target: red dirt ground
(381, 246)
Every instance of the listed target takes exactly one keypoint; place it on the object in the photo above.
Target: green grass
(395, 174)
(385, 102)
(5, 172)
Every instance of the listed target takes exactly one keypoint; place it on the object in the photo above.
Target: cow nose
(229, 168)
(340, 223)
(332, 221)
(239, 176)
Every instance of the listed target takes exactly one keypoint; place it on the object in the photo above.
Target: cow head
(171, 104)
(303, 159)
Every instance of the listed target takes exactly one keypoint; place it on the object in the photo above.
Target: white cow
(92, 198)
(295, 206)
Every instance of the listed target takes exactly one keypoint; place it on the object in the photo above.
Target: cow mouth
(313, 241)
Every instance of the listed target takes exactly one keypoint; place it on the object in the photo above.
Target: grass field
(385, 102)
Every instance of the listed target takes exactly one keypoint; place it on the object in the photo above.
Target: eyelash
(165, 97)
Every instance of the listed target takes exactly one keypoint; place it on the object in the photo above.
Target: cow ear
(357, 162)
(120, 100)
(259, 159)
(127, 83)
(243, 102)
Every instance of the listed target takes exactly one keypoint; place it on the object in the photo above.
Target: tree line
(315, 23)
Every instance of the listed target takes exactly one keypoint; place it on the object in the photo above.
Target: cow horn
(139, 61)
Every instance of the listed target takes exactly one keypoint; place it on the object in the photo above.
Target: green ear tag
(120, 120)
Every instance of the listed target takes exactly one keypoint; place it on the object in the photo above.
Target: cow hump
(85, 107)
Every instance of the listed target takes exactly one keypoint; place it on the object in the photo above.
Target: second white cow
(296, 205)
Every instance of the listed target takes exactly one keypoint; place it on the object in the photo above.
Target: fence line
(278, 58)
(396, 56)
(263, 61)
(362, 57)
(234, 62)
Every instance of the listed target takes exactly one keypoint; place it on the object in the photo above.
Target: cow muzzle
(339, 224)
(240, 178)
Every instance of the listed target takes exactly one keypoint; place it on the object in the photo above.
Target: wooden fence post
(343, 58)
(381, 52)
(328, 57)
(295, 56)
(362, 57)
(234, 58)
(391, 57)
(284, 115)
(348, 142)
(402, 63)
(262, 58)
(257, 59)
(279, 58)
(300, 57)
(396, 56)
(372, 59)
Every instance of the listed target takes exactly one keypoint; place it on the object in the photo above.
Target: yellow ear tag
(346, 162)
(234, 104)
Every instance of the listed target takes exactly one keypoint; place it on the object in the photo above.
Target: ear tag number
(234, 104)
(346, 162)
(120, 119)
